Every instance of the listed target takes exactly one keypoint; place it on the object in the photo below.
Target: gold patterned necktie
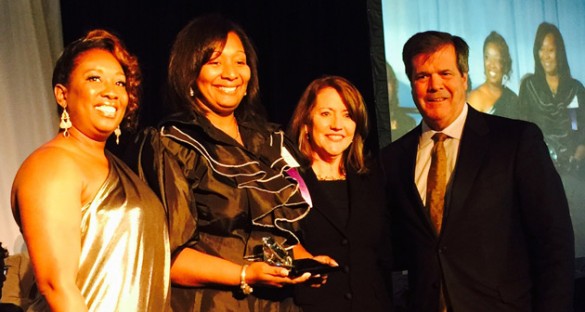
(437, 181)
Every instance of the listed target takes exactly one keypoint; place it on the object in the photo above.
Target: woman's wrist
(246, 289)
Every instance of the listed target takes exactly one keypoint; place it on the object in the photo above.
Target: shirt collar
(454, 130)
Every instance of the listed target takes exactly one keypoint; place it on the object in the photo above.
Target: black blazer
(357, 246)
(506, 242)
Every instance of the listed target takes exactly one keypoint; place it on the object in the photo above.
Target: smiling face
(95, 96)
(332, 128)
(548, 55)
(438, 88)
(223, 80)
(492, 64)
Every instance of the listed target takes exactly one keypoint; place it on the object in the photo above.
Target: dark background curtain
(296, 41)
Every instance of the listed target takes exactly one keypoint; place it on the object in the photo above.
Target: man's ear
(60, 93)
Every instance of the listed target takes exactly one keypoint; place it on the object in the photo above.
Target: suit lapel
(472, 150)
(409, 149)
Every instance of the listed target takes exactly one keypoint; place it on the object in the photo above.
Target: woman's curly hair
(102, 39)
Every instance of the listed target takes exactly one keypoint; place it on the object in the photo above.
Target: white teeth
(108, 111)
(492, 73)
(228, 89)
(335, 137)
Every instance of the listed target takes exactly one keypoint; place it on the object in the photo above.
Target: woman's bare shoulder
(45, 176)
(476, 95)
(50, 161)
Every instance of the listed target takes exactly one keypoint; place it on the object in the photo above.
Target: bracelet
(246, 289)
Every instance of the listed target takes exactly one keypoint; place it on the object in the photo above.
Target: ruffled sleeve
(164, 164)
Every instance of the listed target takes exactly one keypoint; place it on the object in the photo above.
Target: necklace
(327, 170)
(330, 178)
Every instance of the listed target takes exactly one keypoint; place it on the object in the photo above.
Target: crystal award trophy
(274, 254)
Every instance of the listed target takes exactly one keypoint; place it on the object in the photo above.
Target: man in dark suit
(502, 240)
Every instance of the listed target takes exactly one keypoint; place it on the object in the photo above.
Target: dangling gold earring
(191, 92)
(65, 122)
(118, 133)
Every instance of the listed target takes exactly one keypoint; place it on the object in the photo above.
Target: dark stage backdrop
(296, 41)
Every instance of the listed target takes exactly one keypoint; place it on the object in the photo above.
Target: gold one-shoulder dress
(125, 260)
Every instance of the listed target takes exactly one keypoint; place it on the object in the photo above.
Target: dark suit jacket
(506, 242)
(357, 246)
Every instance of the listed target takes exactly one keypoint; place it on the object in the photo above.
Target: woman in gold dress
(95, 232)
